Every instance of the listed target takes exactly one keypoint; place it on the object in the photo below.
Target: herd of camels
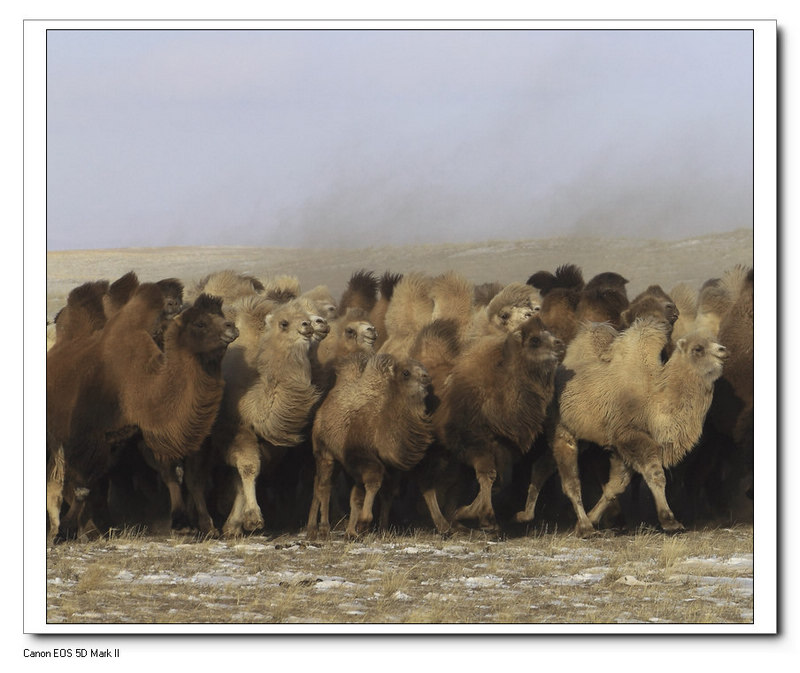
(244, 404)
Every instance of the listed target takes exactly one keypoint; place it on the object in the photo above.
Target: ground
(701, 577)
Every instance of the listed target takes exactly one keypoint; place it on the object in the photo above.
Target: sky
(354, 138)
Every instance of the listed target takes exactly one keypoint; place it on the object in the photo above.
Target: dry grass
(696, 578)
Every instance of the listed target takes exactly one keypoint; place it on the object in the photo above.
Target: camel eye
(505, 316)
(535, 342)
(200, 324)
(406, 373)
(698, 350)
(284, 324)
(350, 331)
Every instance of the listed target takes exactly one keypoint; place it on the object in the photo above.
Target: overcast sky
(358, 138)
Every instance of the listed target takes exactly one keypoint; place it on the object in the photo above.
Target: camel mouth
(370, 339)
(229, 336)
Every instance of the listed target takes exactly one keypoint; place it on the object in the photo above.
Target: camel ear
(681, 345)
(626, 317)
(268, 320)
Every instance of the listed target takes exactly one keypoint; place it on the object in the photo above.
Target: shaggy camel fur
(104, 386)
(90, 305)
(268, 404)
(323, 300)
(408, 312)
(494, 404)
(438, 347)
(721, 475)
(361, 292)
(685, 298)
(351, 333)
(377, 316)
(88, 308)
(736, 334)
(717, 296)
(508, 309)
(483, 293)
(373, 419)
(603, 299)
(227, 284)
(648, 415)
(561, 293)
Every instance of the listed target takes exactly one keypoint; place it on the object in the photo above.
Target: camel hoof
(232, 531)
(673, 527)
(584, 530)
(523, 517)
(180, 521)
(253, 521)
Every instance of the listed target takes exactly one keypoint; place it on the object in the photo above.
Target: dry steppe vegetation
(701, 577)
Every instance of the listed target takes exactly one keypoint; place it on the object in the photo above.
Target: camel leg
(96, 521)
(245, 457)
(540, 472)
(168, 473)
(178, 517)
(619, 476)
(565, 453)
(481, 508)
(386, 497)
(194, 477)
(373, 478)
(644, 455)
(432, 501)
(55, 490)
(320, 503)
(70, 522)
(357, 495)
(653, 474)
(233, 524)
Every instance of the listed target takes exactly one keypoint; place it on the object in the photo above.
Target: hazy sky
(357, 138)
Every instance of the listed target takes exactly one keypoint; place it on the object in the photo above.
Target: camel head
(653, 302)
(173, 297)
(537, 344)
(358, 333)
(203, 327)
(703, 353)
(513, 305)
(412, 378)
(290, 324)
(320, 326)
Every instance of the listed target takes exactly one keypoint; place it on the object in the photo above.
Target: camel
(685, 298)
(377, 316)
(373, 419)
(494, 404)
(647, 414)
(267, 408)
(721, 473)
(324, 303)
(603, 299)
(361, 292)
(88, 308)
(717, 296)
(227, 284)
(561, 294)
(103, 387)
(507, 310)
